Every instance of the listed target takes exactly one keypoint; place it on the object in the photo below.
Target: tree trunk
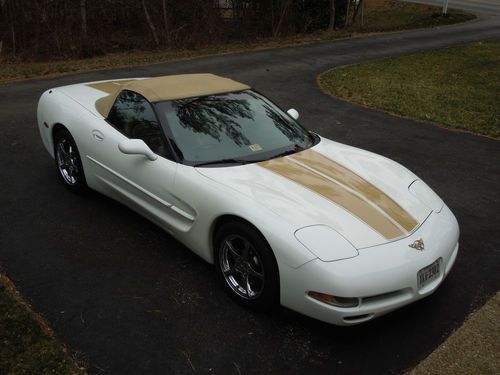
(331, 25)
(346, 22)
(165, 22)
(150, 24)
(282, 17)
(13, 39)
(272, 16)
(83, 13)
(356, 10)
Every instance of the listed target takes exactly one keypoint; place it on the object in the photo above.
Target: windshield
(231, 128)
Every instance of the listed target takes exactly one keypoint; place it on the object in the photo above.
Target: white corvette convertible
(331, 231)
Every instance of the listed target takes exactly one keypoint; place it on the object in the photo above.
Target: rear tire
(246, 266)
(68, 162)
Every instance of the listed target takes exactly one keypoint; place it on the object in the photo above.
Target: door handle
(97, 135)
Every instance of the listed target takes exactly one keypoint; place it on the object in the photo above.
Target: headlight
(324, 242)
(425, 194)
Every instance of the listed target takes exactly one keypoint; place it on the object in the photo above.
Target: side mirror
(136, 147)
(293, 113)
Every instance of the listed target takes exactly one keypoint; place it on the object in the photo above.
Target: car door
(140, 183)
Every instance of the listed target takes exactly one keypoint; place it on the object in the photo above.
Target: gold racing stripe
(348, 190)
(348, 178)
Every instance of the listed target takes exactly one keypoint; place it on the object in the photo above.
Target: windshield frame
(263, 156)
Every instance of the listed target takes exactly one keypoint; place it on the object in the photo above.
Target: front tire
(246, 266)
(68, 162)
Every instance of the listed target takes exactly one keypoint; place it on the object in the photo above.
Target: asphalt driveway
(128, 299)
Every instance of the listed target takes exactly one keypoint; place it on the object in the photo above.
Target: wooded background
(35, 30)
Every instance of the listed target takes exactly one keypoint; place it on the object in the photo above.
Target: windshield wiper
(223, 161)
(295, 149)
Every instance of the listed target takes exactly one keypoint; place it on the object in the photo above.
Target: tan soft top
(165, 88)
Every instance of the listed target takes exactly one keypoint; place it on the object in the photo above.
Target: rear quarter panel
(56, 108)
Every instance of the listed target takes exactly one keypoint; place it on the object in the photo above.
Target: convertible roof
(165, 88)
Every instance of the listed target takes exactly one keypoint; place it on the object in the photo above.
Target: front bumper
(383, 278)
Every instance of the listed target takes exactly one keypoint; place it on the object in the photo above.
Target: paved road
(128, 299)
(478, 6)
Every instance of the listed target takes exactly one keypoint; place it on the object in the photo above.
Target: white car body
(318, 245)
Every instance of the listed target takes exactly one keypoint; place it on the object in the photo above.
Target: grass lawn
(455, 87)
(379, 15)
(474, 348)
(391, 15)
(27, 346)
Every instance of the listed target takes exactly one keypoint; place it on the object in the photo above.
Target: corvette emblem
(418, 244)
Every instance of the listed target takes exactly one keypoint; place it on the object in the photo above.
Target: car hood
(363, 196)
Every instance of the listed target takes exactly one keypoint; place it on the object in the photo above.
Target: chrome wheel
(241, 267)
(67, 161)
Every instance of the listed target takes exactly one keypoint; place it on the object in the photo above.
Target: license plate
(428, 274)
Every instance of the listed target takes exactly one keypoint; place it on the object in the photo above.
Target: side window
(133, 116)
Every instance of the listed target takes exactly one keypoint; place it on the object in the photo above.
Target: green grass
(27, 346)
(474, 348)
(455, 87)
(391, 15)
(380, 15)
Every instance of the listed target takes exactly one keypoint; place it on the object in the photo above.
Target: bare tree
(165, 22)
(13, 39)
(284, 8)
(150, 23)
(45, 29)
(83, 14)
(331, 24)
(356, 7)
(348, 6)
